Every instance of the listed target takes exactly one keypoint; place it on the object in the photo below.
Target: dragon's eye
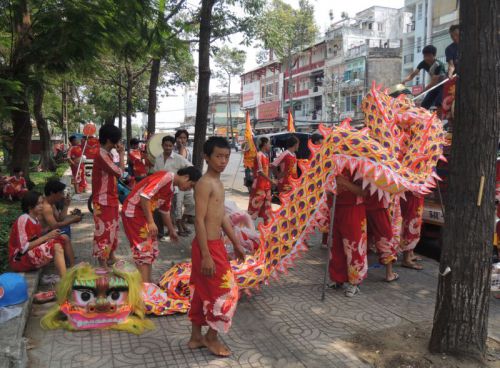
(83, 297)
(117, 296)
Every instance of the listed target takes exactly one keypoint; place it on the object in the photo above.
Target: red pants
(37, 257)
(411, 210)
(15, 193)
(348, 262)
(213, 299)
(144, 247)
(79, 177)
(380, 234)
(106, 231)
(259, 204)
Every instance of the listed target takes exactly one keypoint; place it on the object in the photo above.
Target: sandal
(395, 278)
(44, 297)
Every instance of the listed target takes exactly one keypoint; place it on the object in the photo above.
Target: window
(420, 10)
(419, 44)
(370, 25)
(380, 26)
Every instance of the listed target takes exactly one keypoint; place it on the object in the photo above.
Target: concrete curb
(13, 344)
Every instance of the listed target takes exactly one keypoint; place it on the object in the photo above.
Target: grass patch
(10, 211)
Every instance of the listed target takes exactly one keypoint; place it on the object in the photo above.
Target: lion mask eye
(83, 297)
(117, 296)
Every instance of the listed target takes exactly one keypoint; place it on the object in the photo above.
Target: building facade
(428, 23)
(261, 91)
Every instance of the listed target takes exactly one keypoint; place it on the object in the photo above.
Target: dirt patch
(405, 346)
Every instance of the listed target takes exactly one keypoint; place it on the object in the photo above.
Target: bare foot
(412, 265)
(217, 348)
(196, 344)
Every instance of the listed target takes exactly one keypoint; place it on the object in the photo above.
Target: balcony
(352, 84)
(316, 91)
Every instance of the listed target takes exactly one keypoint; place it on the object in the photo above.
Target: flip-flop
(44, 297)
(414, 266)
(417, 259)
(396, 277)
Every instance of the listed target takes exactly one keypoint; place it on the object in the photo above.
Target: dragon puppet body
(396, 152)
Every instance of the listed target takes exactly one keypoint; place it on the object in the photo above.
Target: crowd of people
(162, 196)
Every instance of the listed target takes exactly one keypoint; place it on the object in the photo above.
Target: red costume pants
(106, 231)
(214, 298)
(79, 177)
(16, 192)
(259, 204)
(380, 234)
(411, 210)
(348, 262)
(144, 247)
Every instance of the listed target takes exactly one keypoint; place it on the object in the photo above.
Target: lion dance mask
(97, 298)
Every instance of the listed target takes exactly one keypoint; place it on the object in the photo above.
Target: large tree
(286, 31)
(48, 35)
(461, 315)
(218, 20)
(230, 62)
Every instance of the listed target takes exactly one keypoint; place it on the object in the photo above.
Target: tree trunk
(21, 122)
(229, 108)
(130, 86)
(120, 100)
(461, 314)
(152, 96)
(64, 111)
(47, 162)
(203, 83)
(110, 120)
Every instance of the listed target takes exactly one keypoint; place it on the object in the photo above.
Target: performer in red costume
(105, 194)
(348, 261)
(75, 154)
(214, 292)
(287, 163)
(155, 191)
(380, 234)
(28, 248)
(137, 161)
(15, 186)
(412, 210)
(259, 204)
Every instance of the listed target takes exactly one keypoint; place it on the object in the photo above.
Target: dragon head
(95, 298)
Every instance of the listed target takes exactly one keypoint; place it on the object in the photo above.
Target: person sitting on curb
(53, 218)
(29, 249)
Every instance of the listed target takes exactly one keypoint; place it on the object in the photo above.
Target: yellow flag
(291, 126)
(249, 152)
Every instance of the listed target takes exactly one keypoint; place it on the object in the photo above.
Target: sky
(322, 10)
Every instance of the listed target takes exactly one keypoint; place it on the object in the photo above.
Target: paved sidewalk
(283, 325)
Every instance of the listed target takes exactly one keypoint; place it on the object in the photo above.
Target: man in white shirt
(172, 162)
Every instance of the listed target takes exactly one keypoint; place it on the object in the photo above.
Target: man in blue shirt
(436, 70)
(451, 51)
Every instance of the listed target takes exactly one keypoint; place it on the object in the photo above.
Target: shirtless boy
(214, 293)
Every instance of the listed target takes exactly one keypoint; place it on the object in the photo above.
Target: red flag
(290, 125)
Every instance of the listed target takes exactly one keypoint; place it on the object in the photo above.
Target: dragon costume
(96, 298)
(396, 152)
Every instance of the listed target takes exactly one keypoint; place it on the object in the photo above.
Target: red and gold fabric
(213, 299)
(348, 258)
(412, 210)
(138, 163)
(106, 221)
(287, 162)
(75, 153)
(105, 176)
(22, 259)
(144, 247)
(15, 187)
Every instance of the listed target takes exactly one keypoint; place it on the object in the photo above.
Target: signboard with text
(251, 94)
(269, 110)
